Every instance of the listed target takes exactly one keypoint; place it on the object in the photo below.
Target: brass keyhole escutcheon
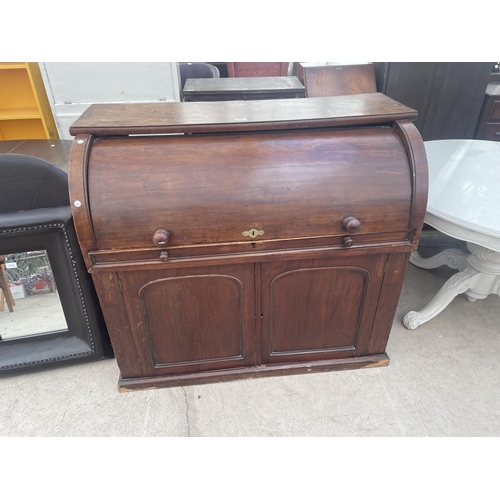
(253, 233)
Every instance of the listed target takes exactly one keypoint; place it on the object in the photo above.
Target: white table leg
(479, 277)
(457, 284)
(454, 258)
(487, 262)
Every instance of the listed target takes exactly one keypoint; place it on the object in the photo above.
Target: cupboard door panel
(319, 309)
(192, 319)
(202, 315)
(308, 300)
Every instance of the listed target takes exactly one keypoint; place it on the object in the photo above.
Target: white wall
(73, 87)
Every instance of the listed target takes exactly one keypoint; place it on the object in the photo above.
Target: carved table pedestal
(464, 189)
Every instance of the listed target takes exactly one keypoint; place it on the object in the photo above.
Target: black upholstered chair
(28, 183)
(35, 216)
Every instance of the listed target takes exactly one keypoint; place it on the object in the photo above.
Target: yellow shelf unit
(24, 108)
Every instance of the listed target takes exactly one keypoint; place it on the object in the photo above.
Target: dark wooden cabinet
(238, 248)
(242, 89)
(330, 79)
(447, 95)
(488, 126)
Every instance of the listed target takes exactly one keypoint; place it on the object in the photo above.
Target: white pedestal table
(464, 203)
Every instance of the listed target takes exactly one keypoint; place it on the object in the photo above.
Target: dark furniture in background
(253, 69)
(447, 95)
(242, 89)
(197, 70)
(323, 79)
(35, 215)
(263, 238)
(495, 76)
(488, 126)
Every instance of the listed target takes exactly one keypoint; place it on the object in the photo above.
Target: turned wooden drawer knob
(352, 224)
(348, 241)
(161, 237)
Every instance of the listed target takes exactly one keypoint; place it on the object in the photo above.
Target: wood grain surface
(211, 189)
(334, 79)
(234, 116)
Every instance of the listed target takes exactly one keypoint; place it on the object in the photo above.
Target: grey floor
(442, 381)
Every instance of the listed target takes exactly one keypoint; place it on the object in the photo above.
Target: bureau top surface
(234, 116)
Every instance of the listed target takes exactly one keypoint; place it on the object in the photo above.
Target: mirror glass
(34, 307)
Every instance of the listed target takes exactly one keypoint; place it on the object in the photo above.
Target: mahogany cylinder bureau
(245, 239)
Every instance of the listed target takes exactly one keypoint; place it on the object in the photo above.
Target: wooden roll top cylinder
(210, 189)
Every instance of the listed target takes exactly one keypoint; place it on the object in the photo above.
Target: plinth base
(375, 361)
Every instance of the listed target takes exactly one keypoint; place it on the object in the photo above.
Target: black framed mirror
(54, 315)
(42, 335)
(34, 296)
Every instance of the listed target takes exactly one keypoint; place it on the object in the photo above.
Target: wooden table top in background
(228, 89)
(53, 151)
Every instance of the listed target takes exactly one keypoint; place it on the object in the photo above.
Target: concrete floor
(442, 381)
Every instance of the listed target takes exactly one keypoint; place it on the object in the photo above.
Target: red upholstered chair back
(249, 69)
